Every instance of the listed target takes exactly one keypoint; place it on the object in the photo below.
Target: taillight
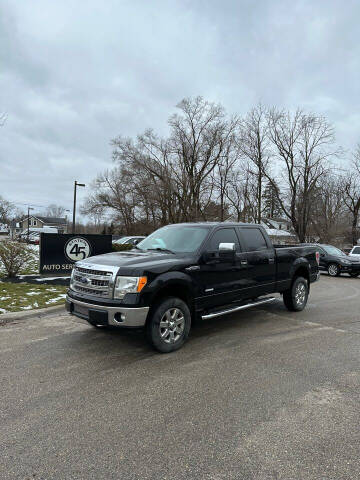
(318, 258)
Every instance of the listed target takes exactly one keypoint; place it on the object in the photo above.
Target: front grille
(90, 291)
(89, 271)
(93, 281)
(100, 283)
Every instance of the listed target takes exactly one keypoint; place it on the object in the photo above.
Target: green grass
(27, 296)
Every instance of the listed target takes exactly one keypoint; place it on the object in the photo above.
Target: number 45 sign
(77, 248)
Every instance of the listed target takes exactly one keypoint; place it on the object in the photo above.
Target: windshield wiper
(138, 248)
(159, 249)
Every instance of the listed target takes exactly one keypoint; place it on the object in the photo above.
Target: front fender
(170, 280)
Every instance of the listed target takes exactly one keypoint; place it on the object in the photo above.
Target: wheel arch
(177, 287)
(301, 268)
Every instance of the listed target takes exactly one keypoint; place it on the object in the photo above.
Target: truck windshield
(177, 239)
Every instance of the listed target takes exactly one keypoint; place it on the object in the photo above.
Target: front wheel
(295, 299)
(333, 270)
(169, 325)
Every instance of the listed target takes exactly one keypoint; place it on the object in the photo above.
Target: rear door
(261, 261)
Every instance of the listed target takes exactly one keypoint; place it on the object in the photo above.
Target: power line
(33, 205)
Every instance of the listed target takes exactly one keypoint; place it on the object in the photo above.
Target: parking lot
(261, 394)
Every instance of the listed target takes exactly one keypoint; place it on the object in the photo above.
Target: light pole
(76, 184)
(28, 220)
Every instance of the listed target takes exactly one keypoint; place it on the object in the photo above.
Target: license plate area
(94, 316)
(83, 311)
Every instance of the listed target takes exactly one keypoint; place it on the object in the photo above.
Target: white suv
(355, 252)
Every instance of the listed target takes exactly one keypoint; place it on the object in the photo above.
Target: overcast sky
(74, 74)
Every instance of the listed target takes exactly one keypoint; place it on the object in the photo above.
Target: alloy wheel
(333, 270)
(172, 325)
(300, 294)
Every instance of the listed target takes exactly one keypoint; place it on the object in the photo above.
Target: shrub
(121, 248)
(14, 256)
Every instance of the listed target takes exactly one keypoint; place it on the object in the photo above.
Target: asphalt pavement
(262, 394)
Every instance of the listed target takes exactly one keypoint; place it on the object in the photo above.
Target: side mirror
(227, 251)
(227, 247)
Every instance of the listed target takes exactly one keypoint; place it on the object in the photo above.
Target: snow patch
(50, 278)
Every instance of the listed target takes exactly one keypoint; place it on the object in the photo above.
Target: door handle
(271, 260)
(244, 262)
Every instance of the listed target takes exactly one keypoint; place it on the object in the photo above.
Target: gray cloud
(75, 74)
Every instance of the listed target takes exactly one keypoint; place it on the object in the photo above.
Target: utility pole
(28, 220)
(76, 184)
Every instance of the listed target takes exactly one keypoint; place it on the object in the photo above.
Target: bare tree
(6, 210)
(212, 167)
(329, 220)
(302, 146)
(54, 210)
(253, 141)
(241, 193)
(352, 194)
(199, 141)
(223, 177)
(173, 177)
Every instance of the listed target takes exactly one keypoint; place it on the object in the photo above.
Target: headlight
(72, 276)
(124, 285)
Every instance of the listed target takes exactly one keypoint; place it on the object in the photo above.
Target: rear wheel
(295, 299)
(169, 325)
(333, 270)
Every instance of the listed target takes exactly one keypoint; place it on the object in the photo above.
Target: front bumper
(352, 268)
(104, 315)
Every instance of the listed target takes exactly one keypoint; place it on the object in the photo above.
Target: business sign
(59, 252)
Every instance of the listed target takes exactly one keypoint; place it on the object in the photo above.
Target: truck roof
(215, 224)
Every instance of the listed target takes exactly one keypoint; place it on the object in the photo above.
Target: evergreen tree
(272, 206)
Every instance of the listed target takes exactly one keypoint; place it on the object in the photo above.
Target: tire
(169, 325)
(295, 299)
(354, 275)
(333, 270)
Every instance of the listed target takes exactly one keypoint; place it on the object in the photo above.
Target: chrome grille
(97, 281)
(91, 271)
(90, 291)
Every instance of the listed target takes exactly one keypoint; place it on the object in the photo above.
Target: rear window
(254, 239)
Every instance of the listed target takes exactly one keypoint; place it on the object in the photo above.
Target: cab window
(224, 235)
(254, 240)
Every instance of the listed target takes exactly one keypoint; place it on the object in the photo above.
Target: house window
(35, 223)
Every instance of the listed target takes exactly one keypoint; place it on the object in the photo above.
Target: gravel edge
(24, 315)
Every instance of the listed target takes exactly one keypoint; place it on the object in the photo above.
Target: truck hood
(136, 260)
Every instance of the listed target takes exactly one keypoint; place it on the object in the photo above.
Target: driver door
(220, 279)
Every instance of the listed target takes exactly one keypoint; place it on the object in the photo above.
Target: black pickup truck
(184, 272)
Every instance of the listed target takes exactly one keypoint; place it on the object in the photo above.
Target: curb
(25, 315)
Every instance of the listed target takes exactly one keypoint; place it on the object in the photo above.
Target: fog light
(119, 317)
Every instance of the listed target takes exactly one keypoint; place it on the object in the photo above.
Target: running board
(236, 309)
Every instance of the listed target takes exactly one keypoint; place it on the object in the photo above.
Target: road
(262, 394)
